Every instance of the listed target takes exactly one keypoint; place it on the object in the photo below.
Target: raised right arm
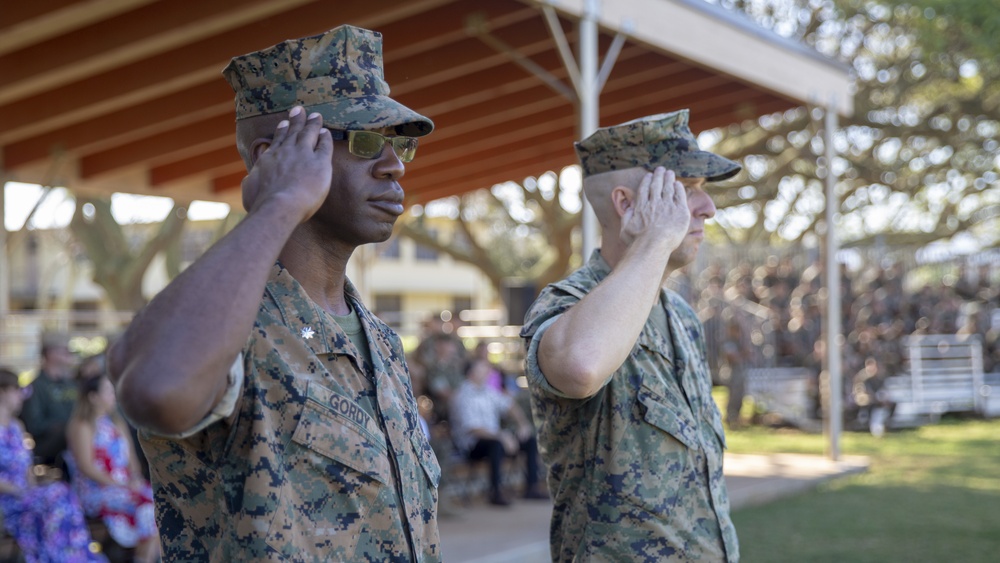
(170, 368)
(593, 338)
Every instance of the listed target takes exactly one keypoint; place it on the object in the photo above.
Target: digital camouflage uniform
(324, 460)
(636, 470)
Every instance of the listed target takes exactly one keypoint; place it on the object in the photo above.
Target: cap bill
(372, 112)
(699, 164)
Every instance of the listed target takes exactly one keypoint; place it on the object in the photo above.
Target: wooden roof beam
(484, 116)
(557, 121)
(224, 160)
(444, 26)
(215, 97)
(190, 64)
(126, 125)
(124, 38)
(27, 23)
(533, 109)
(480, 164)
(213, 133)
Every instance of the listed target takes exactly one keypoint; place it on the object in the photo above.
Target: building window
(426, 253)
(461, 303)
(389, 308)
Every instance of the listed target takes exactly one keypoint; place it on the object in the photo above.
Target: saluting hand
(295, 170)
(659, 209)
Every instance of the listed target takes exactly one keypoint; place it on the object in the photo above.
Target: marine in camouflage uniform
(635, 452)
(308, 447)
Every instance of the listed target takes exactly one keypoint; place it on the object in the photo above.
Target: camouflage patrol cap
(337, 74)
(657, 140)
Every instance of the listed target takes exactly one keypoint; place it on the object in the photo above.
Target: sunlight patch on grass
(930, 494)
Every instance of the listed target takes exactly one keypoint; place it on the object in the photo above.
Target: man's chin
(384, 233)
(685, 253)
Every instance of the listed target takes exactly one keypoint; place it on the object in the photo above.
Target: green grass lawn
(931, 494)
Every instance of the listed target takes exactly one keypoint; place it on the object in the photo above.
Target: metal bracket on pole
(609, 60)
(477, 26)
(586, 79)
(589, 81)
(565, 53)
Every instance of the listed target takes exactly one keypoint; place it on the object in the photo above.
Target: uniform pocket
(427, 458)
(717, 426)
(645, 476)
(665, 415)
(331, 436)
(337, 471)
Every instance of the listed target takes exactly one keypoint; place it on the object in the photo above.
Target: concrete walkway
(519, 534)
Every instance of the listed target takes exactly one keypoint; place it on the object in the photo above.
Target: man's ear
(257, 148)
(622, 198)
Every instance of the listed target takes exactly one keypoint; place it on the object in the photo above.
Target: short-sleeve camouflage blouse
(324, 459)
(635, 470)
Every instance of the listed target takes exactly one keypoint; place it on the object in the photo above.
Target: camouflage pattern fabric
(338, 74)
(324, 459)
(636, 470)
(658, 140)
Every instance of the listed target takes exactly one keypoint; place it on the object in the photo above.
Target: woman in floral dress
(45, 520)
(105, 470)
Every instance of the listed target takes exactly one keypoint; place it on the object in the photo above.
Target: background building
(52, 287)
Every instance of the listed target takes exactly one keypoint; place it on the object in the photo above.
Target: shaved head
(598, 190)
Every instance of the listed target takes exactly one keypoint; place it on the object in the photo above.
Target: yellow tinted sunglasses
(369, 144)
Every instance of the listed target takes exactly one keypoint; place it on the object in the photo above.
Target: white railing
(21, 332)
(945, 375)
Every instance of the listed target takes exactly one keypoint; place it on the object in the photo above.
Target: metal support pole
(834, 418)
(589, 112)
(587, 80)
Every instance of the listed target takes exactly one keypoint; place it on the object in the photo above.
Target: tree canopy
(917, 162)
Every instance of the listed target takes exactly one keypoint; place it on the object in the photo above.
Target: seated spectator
(476, 413)
(444, 366)
(45, 520)
(53, 393)
(96, 366)
(496, 377)
(105, 471)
